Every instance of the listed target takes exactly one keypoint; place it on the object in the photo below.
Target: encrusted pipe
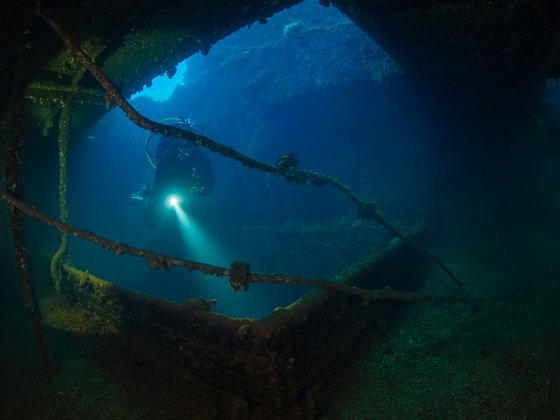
(14, 186)
(63, 135)
(240, 275)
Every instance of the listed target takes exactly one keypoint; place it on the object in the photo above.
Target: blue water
(306, 83)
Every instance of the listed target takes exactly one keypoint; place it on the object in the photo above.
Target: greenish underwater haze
(310, 82)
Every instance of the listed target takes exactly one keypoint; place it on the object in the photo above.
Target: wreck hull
(280, 365)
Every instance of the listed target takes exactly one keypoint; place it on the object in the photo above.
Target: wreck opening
(315, 80)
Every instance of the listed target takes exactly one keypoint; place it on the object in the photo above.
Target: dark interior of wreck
(479, 67)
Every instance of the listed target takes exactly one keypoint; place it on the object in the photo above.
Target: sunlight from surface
(162, 86)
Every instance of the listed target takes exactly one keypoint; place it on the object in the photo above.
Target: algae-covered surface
(493, 360)
(489, 360)
(83, 386)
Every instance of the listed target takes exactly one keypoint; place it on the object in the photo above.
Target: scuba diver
(181, 170)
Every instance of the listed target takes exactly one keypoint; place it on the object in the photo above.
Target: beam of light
(201, 245)
(174, 201)
(184, 222)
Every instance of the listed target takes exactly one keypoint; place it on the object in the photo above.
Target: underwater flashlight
(173, 200)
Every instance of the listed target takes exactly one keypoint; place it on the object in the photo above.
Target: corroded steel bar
(14, 186)
(63, 135)
(165, 262)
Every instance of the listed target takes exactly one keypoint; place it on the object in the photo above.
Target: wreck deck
(276, 366)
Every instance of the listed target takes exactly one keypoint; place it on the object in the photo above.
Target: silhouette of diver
(181, 170)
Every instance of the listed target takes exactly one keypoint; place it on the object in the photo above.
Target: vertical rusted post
(13, 180)
(63, 136)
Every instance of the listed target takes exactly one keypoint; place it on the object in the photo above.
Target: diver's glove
(141, 194)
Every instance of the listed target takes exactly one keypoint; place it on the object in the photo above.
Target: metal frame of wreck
(277, 358)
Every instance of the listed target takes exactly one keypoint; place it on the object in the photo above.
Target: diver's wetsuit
(182, 169)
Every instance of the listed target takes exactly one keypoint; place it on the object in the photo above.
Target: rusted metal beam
(14, 186)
